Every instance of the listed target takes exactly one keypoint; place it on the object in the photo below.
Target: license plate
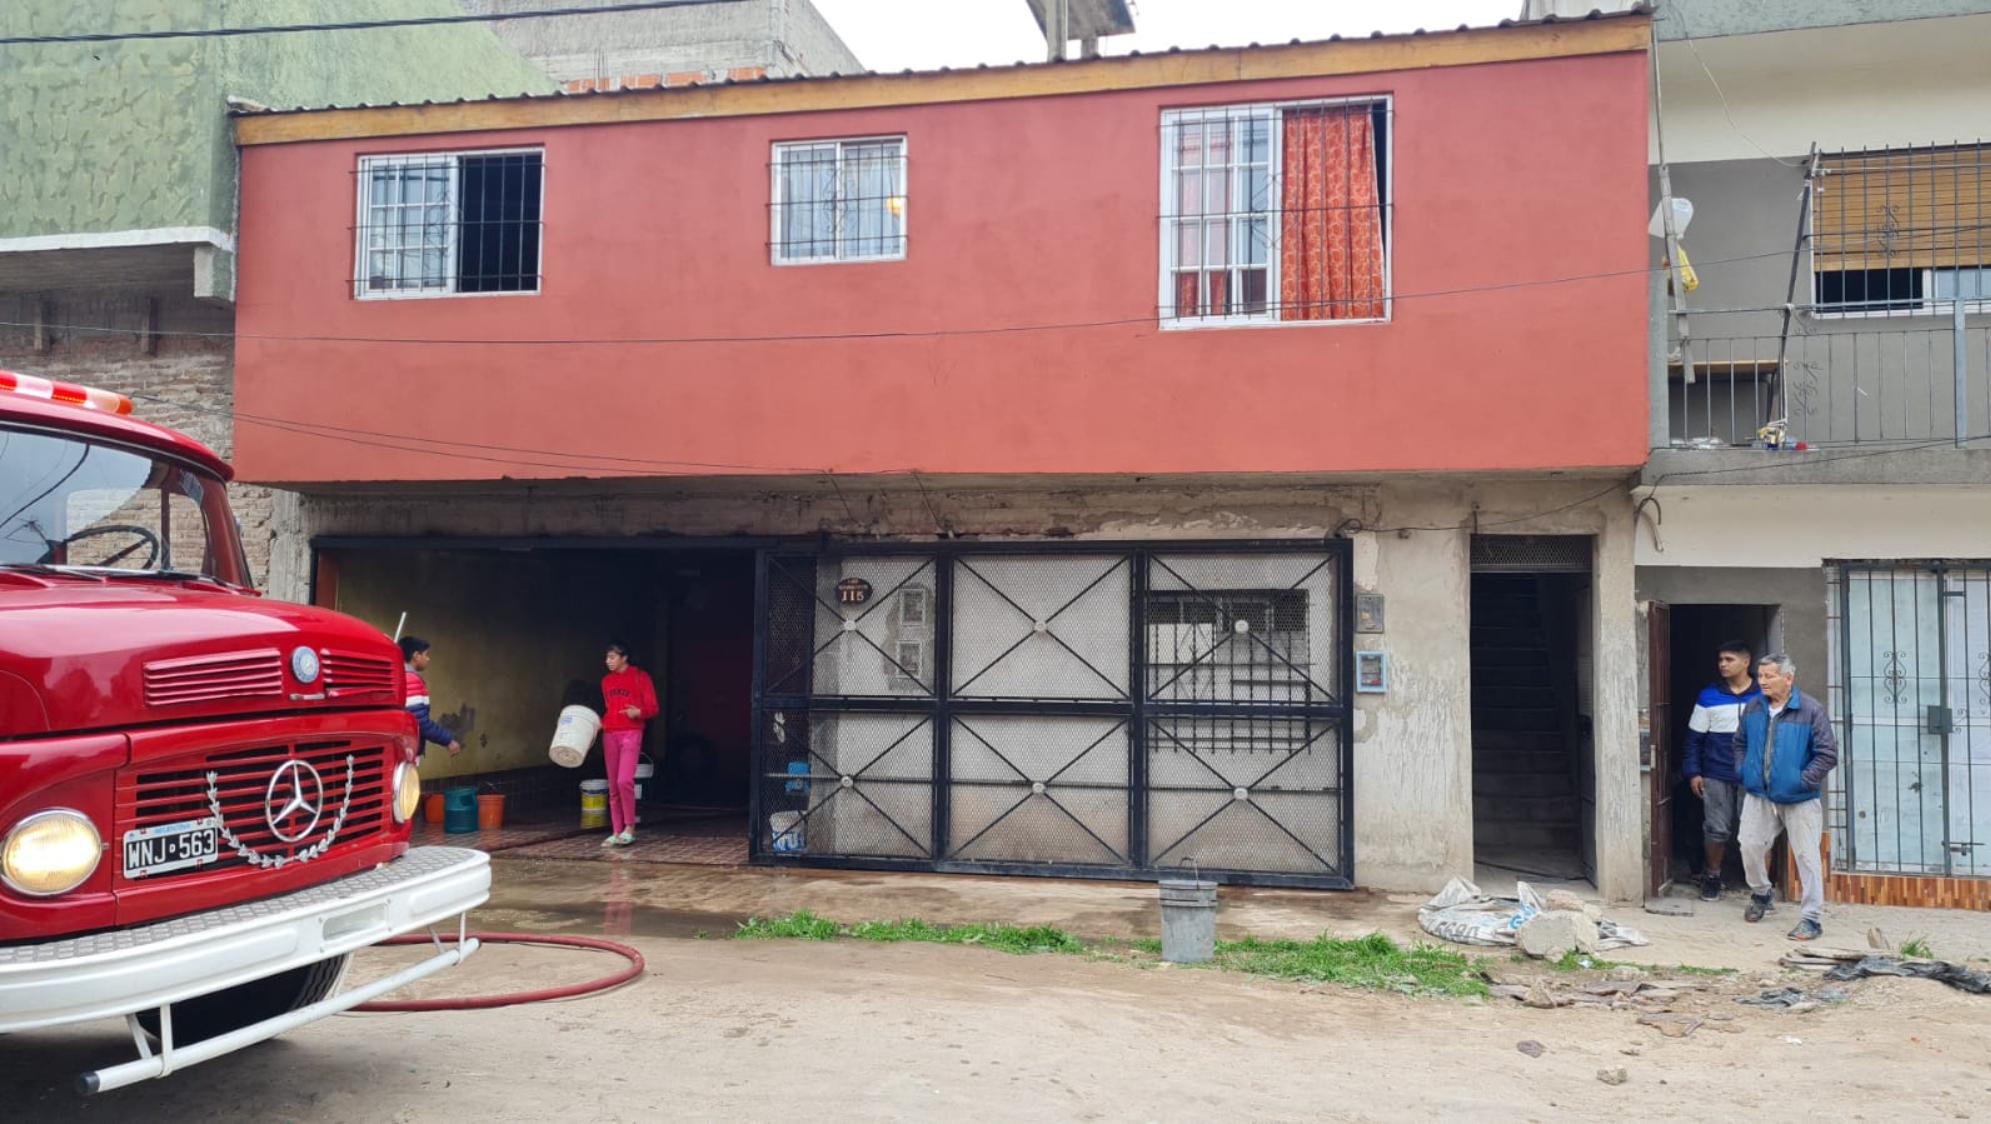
(170, 846)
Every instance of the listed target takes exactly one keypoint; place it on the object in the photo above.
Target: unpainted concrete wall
(1413, 758)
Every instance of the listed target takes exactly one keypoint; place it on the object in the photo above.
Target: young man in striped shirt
(1708, 760)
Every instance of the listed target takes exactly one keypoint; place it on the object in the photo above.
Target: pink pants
(622, 748)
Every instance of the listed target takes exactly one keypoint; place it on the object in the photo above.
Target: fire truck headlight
(50, 853)
(407, 792)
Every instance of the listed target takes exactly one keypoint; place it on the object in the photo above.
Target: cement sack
(1464, 914)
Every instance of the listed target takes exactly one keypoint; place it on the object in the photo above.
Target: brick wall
(184, 382)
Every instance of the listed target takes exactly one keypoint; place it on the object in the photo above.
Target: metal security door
(1917, 755)
(1077, 709)
(1967, 691)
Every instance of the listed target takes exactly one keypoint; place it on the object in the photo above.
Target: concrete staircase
(1524, 780)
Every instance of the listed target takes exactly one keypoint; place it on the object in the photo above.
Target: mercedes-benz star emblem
(295, 790)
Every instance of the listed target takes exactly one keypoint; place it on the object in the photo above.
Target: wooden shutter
(1902, 209)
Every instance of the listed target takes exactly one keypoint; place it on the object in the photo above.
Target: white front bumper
(115, 973)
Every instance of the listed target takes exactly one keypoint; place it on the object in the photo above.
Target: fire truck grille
(348, 674)
(214, 678)
(343, 785)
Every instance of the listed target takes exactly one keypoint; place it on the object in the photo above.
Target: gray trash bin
(1188, 920)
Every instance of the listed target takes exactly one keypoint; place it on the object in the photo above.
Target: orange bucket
(490, 812)
(432, 807)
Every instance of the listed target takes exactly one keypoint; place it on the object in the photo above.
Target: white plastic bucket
(594, 803)
(787, 830)
(573, 736)
(645, 769)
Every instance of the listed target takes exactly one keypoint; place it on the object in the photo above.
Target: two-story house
(1215, 458)
(1821, 478)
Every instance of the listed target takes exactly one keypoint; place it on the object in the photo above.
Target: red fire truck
(206, 797)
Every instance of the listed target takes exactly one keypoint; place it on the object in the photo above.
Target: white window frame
(778, 210)
(362, 204)
(1171, 206)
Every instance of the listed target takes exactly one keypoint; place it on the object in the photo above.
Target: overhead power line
(354, 25)
(825, 337)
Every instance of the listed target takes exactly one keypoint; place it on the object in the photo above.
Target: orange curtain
(1331, 244)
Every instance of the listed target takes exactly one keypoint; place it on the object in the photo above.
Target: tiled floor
(700, 840)
(506, 838)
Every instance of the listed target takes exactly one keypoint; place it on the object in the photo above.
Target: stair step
(1546, 810)
(1486, 634)
(1519, 836)
(1522, 740)
(1529, 696)
(1500, 784)
(1533, 719)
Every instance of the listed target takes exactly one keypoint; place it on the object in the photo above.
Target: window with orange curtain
(1275, 213)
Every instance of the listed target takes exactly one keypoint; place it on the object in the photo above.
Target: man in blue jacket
(1784, 746)
(1708, 758)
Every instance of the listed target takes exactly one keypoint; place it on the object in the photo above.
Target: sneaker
(1711, 888)
(1807, 930)
(1759, 904)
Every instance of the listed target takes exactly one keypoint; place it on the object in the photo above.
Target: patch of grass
(1696, 970)
(1017, 939)
(798, 926)
(1918, 948)
(1374, 962)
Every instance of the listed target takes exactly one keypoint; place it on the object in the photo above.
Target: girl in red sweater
(629, 700)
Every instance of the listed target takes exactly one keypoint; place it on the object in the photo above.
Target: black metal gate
(1072, 709)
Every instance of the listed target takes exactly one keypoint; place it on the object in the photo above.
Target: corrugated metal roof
(244, 109)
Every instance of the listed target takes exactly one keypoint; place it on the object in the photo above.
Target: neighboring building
(683, 46)
(1833, 155)
(1094, 468)
(118, 202)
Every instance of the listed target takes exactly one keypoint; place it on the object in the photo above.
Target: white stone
(1550, 935)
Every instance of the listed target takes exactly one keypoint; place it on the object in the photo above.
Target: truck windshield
(86, 505)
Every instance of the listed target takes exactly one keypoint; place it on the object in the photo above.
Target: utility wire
(821, 337)
(354, 25)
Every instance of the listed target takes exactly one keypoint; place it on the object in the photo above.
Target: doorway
(1695, 634)
(1533, 804)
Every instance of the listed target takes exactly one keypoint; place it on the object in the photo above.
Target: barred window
(1275, 213)
(1901, 231)
(437, 224)
(839, 200)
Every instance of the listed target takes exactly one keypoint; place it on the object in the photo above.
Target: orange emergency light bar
(67, 393)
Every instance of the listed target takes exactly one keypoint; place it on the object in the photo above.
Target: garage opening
(1533, 808)
(519, 633)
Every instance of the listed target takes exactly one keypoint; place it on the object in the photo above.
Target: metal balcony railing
(1850, 381)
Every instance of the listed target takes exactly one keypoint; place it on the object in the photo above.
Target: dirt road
(724, 1029)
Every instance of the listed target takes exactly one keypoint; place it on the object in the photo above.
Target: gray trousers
(1761, 821)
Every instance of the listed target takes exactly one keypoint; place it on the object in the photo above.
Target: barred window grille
(1276, 213)
(1901, 231)
(444, 223)
(839, 200)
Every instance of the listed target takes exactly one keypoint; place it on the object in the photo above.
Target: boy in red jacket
(629, 700)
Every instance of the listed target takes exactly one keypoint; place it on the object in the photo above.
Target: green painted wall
(131, 135)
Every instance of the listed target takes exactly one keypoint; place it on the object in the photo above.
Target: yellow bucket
(594, 803)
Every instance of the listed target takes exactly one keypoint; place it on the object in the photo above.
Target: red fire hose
(478, 1002)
